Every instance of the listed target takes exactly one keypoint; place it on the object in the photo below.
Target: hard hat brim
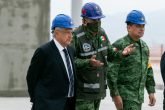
(66, 27)
(136, 22)
(97, 17)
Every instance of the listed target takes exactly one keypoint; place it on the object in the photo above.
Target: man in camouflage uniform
(128, 77)
(92, 47)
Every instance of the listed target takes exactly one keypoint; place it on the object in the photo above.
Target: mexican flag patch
(102, 38)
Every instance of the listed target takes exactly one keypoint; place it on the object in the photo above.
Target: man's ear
(55, 32)
(128, 27)
(84, 21)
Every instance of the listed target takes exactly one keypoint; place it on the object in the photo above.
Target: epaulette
(80, 34)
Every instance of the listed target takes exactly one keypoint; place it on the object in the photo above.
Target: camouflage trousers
(82, 104)
(131, 105)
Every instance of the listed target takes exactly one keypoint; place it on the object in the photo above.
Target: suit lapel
(58, 58)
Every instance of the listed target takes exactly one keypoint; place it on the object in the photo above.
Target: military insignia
(115, 49)
(83, 11)
(149, 65)
(102, 38)
(86, 47)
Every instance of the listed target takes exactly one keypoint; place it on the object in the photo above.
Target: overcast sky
(110, 6)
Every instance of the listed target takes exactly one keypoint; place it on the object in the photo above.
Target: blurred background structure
(24, 25)
(115, 27)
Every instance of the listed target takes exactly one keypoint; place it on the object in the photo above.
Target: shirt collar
(131, 40)
(59, 46)
(139, 42)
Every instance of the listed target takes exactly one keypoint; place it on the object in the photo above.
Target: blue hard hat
(136, 17)
(62, 21)
(92, 10)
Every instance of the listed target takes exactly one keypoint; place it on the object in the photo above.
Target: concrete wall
(24, 25)
(76, 11)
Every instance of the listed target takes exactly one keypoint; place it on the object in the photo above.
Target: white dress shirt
(60, 48)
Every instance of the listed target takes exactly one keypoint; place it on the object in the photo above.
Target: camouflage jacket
(91, 80)
(129, 76)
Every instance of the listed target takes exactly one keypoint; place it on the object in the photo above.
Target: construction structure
(24, 25)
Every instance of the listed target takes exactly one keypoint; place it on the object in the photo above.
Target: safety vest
(91, 81)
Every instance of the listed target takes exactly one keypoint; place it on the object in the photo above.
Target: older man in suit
(51, 74)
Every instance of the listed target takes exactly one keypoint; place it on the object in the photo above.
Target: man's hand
(118, 102)
(128, 50)
(152, 99)
(94, 62)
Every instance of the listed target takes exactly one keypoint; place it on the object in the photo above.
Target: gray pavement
(22, 103)
(107, 103)
(157, 75)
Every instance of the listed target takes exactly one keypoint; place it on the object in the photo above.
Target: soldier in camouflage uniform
(92, 47)
(128, 77)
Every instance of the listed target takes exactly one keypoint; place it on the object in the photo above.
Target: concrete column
(24, 25)
(76, 11)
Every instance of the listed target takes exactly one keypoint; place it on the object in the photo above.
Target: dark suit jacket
(162, 66)
(47, 79)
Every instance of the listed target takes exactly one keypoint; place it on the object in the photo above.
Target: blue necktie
(71, 77)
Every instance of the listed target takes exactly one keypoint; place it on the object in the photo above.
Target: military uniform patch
(86, 47)
(102, 38)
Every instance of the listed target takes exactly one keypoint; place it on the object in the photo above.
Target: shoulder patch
(86, 47)
(149, 65)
